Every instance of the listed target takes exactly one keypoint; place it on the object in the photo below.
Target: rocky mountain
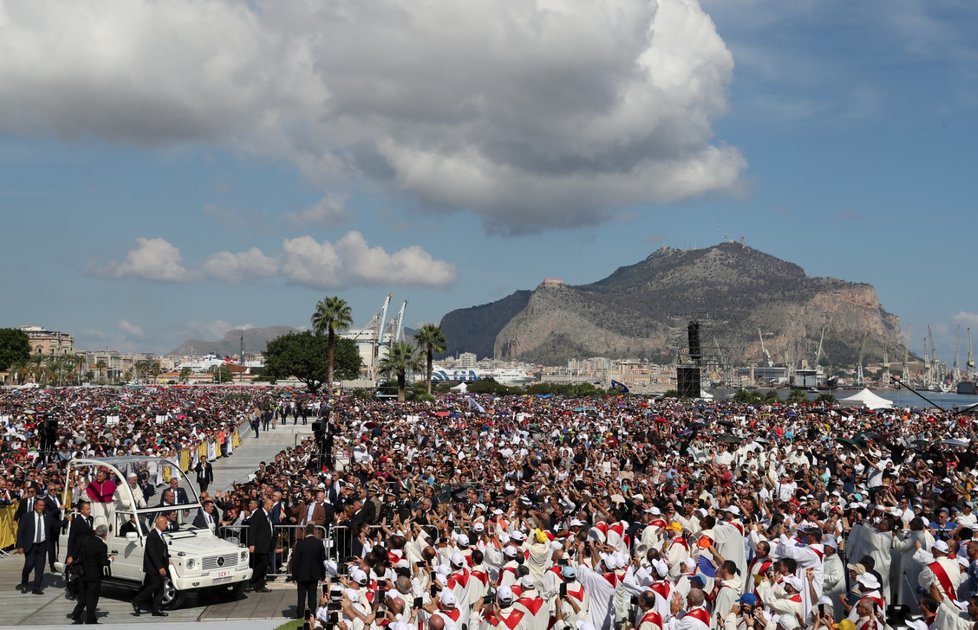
(254, 341)
(641, 311)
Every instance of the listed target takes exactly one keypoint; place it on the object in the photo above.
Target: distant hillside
(254, 341)
(641, 311)
(474, 329)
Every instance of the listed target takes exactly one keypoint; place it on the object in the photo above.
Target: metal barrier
(340, 545)
(284, 538)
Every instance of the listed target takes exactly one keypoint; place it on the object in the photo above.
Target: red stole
(943, 579)
(701, 614)
(452, 613)
(578, 594)
(652, 617)
(460, 578)
(663, 588)
(533, 604)
(482, 576)
(514, 619)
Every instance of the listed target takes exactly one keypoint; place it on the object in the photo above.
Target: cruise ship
(504, 376)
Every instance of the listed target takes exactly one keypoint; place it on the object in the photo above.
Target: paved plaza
(261, 610)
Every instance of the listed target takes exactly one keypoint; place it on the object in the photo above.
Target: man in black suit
(205, 474)
(179, 494)
(208, 518)
(52, 507)
(308, 570)
(81, 527)
(33, 542)
(260, 543)
(94, 557)
(156, 563)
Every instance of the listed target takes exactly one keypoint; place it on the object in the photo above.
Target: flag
(706, 567)
(474, 404)
(619, 387)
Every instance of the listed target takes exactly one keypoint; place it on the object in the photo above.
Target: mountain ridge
(641, 311)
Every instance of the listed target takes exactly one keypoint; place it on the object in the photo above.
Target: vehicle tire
(236, 590)
(172, 598)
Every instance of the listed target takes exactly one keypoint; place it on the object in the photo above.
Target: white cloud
(352, 262)
(349, 262)
(964, 318)
(533, 114)
(329, 210)
(129, 329)
(151, 259)
(240, 266)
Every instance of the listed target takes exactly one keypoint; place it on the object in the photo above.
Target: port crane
(860, 380)
(767, 355)
(971, 356)
(956, 370)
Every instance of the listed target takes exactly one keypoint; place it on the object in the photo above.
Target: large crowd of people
(541, 512)
(538, 512)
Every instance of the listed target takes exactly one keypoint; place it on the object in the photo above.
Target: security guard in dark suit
(33, 540)
(156, 564)
(308, 569)
(94, 557)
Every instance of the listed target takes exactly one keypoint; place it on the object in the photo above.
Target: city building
(49, 343)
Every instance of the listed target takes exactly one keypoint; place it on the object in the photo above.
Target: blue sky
(168, 173)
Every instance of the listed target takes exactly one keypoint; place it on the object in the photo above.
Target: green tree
(303, 356)
(15, 348)
(401, 358)
(100, 366)
(222, 373)
(429, 339)
(185, 373)
(332, 315)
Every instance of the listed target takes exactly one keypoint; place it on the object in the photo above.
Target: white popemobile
(199, 559)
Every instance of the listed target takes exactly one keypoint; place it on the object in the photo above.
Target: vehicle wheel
(236, 590)
(172, 598)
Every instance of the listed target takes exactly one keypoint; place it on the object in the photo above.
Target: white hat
(576, 523)
(868, 580)
(504, 593)
(353, 594)
(457, 559)
(825, 600)
(609, 560)
(462, 540)
(447, 598)
(830, 541)
(568, 572)
(509, 551)
(638, 497)
(518, 535)
(660, 567)
(527, 581)
(941, 546)
(794, 582)
(358, 576)
(733, 509)
(479, 527)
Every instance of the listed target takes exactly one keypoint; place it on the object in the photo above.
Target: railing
(284, 538)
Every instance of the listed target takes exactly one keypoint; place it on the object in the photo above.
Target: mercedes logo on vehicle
(220, 561)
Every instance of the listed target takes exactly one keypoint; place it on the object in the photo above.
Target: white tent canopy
(461, 387)
(867, 399)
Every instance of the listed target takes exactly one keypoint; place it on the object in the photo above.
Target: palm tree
(401, 358)
(100, 366)
(79, 361)
(429, 339)
(332, 315)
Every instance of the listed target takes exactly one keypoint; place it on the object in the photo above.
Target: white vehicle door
(128, 561)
